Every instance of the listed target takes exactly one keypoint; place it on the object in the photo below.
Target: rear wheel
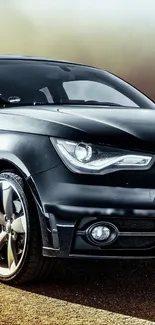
(21, 257)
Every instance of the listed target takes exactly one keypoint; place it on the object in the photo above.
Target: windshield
(34, 82)
(91, 91)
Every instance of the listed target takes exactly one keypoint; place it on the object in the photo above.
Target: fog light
(100, 233)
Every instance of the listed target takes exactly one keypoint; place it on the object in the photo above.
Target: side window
(90, 90)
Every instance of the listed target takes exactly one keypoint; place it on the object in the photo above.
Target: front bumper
(69, 208)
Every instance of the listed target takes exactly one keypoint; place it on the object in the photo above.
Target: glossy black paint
(125, 127)
(67, 203)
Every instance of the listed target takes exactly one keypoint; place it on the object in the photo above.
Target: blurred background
(117, 35)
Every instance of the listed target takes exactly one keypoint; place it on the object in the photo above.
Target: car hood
(122, 127)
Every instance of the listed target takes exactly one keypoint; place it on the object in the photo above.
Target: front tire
(21, 257)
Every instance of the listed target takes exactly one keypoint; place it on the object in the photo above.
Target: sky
(121, 11)
(132, 11)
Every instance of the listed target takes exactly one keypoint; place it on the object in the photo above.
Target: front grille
(135, 234)
(133, 242)
(138, 225)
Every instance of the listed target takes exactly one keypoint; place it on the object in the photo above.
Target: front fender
(32, 154)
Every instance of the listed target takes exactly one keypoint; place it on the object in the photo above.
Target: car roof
(37, 58)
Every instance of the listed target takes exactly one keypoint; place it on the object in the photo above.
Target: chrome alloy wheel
(13, 229)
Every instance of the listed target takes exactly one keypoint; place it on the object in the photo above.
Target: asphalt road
(109, 292)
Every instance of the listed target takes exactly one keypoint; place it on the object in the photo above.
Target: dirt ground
(107, 293)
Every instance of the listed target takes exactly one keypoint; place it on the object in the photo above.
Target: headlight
(88, 158)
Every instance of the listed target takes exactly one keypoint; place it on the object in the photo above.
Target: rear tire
(21, 257)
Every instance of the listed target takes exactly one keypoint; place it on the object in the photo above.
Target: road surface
(107, 293)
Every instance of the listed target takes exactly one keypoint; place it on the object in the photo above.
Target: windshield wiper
(15, 102)
(94, 102)
(8, 104)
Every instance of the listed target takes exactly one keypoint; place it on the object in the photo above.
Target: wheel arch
(9, 161)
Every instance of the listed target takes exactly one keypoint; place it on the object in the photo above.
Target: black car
(77, 167)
